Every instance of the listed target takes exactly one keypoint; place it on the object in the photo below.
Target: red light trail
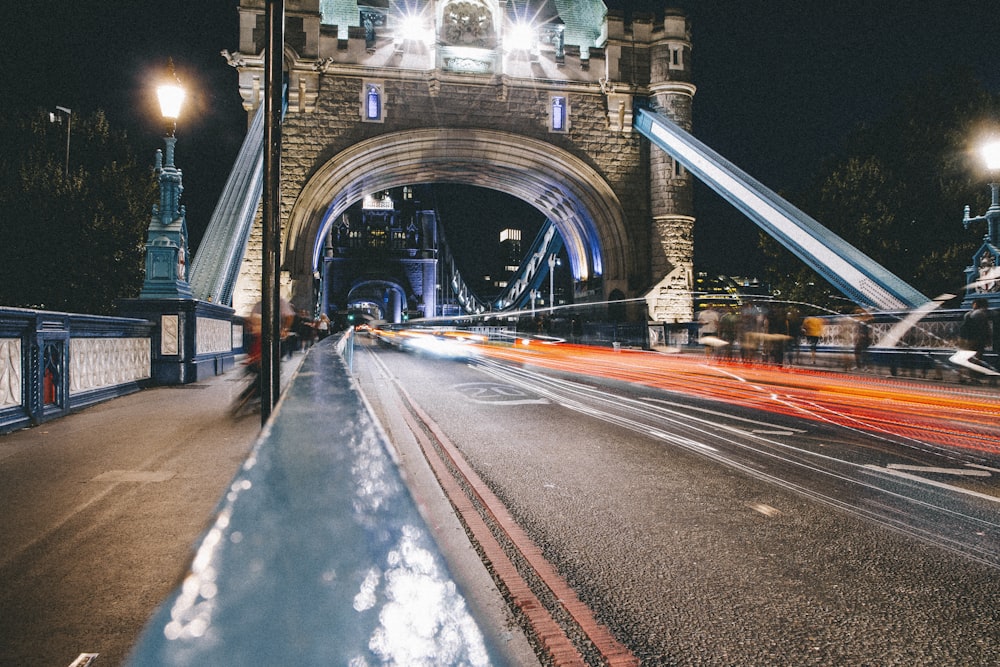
(963, 417)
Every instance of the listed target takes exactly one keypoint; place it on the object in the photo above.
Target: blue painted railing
(54, 363)
(317, 554)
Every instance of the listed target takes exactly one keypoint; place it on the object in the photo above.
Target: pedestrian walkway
(101, 509)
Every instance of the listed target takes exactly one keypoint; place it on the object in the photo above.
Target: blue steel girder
(856, 275)
(533, 269)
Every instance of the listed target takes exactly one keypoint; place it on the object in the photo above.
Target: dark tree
(71, 242)
(897, 189)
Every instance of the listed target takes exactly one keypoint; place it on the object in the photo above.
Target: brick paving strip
(550, 633)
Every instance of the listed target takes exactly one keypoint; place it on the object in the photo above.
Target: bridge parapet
(317, 553)
(54, 363)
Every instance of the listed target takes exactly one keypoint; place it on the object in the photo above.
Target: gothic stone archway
(371, 108)
(576, 198)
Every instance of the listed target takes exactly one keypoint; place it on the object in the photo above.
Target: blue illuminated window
(372, 103)
(558, 113)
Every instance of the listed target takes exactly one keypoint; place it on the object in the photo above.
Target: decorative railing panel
(54, 363)
(213, 336)
(96, 363)
(10, 372)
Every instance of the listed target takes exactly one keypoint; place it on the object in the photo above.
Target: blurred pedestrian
(729, 327)
(976, 333)
(751, 325)
(776, 324)
(862, 339)
(812, 329)
(708, 329)
(323, 326)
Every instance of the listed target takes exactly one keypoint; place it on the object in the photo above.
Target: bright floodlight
(411, 28)
(171, 96)
(991, 155)
(522, 37)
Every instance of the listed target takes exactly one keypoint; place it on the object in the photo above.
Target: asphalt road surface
(706, 534)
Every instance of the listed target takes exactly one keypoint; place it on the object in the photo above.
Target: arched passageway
(564, 188)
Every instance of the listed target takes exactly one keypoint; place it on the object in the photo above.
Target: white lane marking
(945, 471)
(785, 430)
(691, 443)
(930, 482)
(123, 476)
(765, 509)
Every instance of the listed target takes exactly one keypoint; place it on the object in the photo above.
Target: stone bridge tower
(533, 98)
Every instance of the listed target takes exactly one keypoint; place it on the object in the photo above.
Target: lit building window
(558, 113)
(380, 200)
(676, 57)
(510, 235)
(373, 102)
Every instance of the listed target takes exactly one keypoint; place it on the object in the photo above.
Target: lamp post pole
(166, 241)
(69, 121)
(553, 263)
(270, 340)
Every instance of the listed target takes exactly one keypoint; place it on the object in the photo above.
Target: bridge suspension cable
(216, 265)
(856, 275)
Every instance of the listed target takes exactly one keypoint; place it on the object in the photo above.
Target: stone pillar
(671, 186)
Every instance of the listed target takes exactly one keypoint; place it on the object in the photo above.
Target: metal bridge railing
(317, 554)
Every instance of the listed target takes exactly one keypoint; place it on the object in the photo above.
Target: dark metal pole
(270, 342)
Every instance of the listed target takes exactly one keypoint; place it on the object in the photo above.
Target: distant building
(381, 257)
(726, 291)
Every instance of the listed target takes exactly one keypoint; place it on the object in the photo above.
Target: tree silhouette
(897, 189)
(71, 242)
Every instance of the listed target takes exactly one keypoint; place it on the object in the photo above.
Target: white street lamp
(166, 244)
(53, 118)
(171, 96)
(990, 153)
(991, 156)
(553, 263)
(981, 277)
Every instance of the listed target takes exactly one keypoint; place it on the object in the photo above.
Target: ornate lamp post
(166, 242)
(983, 277)
(192, 339)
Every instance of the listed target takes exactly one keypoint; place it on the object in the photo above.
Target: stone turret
(671, 186)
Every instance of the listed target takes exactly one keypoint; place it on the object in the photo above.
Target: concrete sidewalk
(100, 510)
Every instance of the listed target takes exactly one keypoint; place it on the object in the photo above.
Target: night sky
(780, 82)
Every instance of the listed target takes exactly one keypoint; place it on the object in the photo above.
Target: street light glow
(991, 155)
(171, 95)
(522, 37)
(412, 28)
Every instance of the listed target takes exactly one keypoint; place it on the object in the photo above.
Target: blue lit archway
(565, 189)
